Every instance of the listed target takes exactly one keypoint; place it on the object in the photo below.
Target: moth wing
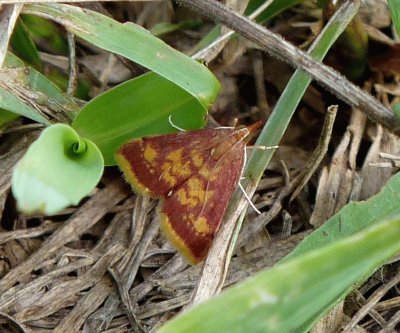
(155, 165)
(192, 213)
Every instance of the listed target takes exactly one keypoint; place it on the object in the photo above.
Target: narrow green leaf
(167, 27)
(23, 45)
(396, 109)
(353, 218)
(58, 170)
(6, 117)
(210, 37)
(394, 7)
(273, 9)
(290, 296)
(137, 44)
(12, 61)
(12, 103)
(137, 108)
(48, 32)
(294, 91)
(25, 91)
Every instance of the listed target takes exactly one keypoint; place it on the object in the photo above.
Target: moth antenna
(245, 160)
(175, 126)
(224, 127)
(248, 199)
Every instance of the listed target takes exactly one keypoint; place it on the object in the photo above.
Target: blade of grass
(394, 7)
(24, 47)
(282, 49)
(136, 44)
(294, 91)
(353, 218)
(291, 296)
(270, 136)
(272, 10)
(27, 92)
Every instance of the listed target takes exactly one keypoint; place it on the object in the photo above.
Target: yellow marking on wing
(194, 194)
(185, 199)
(201, 225)
(182, 170)
(205, 172)
(130, 176)
(195, 184)
(197, 189)
(177, 241)
(150, 155)
(175, 156)
(197, 160)
(167, 175)
(173, 168)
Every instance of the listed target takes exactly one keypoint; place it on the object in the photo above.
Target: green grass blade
(136, 44)
(24, 47)
(290, 296)
(48, 32)
(167, 27)
(6, 117)
(294, 91)
(25, 91)
(353, 218)
(272, 10)
(394, 7)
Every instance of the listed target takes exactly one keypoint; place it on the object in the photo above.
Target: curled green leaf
(58, 170)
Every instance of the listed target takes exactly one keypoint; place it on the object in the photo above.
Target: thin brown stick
(318, 154)
(16, 322)
(258, 70)
(72, 67)
(126, 301)
(376, 296)
(7, 236)
(8, 18)
(391, 325)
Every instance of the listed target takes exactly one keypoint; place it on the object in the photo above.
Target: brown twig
(72, 66)
(8, 17)
(376, 296)
(258, 70)
(89, 213)
(316, 158)
(126, 301)
(16, 322)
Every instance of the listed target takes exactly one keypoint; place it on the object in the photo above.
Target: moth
(194, 174)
